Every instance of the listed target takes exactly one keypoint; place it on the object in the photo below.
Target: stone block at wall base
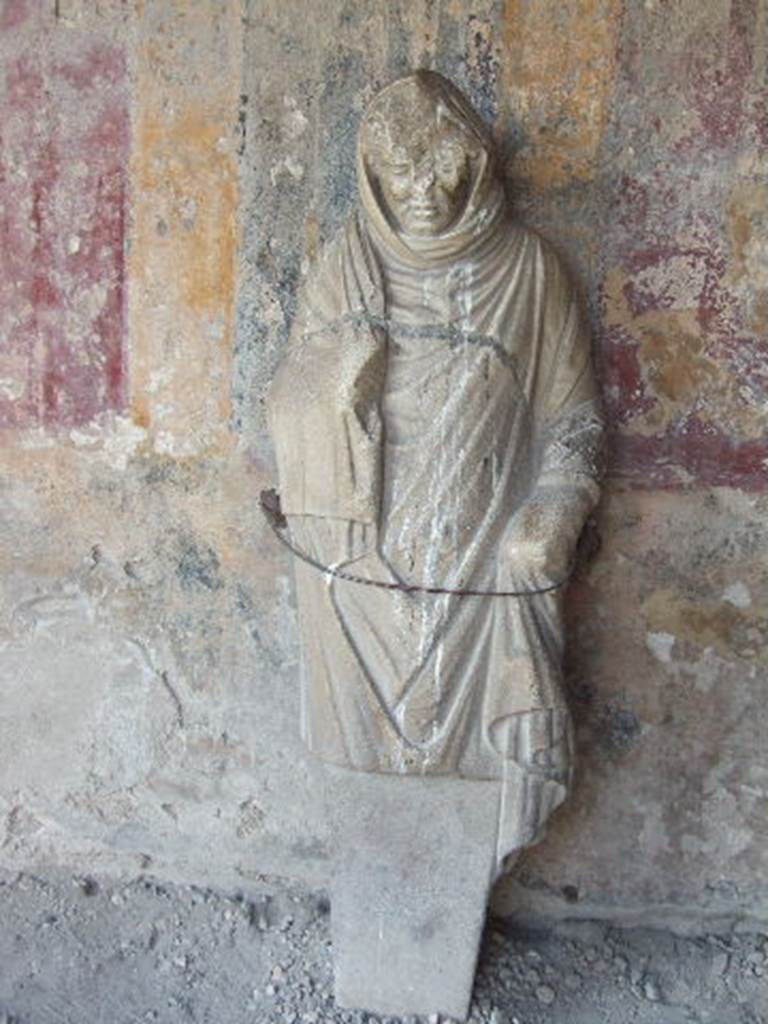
(413, 864)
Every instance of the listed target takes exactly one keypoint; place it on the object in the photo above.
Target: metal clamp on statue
(437, 437)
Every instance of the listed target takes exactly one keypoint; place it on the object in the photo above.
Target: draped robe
(430, 390)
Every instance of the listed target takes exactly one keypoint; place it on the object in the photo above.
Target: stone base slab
(413, 864)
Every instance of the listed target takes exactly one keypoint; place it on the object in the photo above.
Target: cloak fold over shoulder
(325, 399)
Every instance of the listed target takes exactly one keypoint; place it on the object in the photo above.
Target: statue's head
(423, 149)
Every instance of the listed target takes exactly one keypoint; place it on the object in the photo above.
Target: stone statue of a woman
(436, 430)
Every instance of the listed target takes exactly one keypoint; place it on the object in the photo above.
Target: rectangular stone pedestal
(414, 862)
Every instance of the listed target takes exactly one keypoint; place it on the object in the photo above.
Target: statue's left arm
(540, 541)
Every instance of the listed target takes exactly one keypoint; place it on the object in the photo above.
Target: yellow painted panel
(558, 65)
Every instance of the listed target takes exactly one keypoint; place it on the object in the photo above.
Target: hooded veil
(434, 385)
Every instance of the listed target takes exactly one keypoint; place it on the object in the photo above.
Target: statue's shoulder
(320, 291)
(535, 248)
(540, 259)
(328, 257)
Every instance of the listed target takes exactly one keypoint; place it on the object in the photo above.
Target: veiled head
(421, 145)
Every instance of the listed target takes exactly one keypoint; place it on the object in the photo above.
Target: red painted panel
(690, 455)
(12, 14)
(718, 75)
(683, 364)
(682, 335)
(64, 146)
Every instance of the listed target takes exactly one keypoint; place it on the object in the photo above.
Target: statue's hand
(540, 540)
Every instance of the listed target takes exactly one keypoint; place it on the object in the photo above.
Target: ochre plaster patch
(558, 72)
(183, 256)
(681, 370)
(181, 162)
(731, 631)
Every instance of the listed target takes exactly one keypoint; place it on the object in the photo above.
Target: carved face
(420, 149)
(425, 184)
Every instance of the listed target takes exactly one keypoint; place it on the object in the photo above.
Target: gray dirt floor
(87, 950)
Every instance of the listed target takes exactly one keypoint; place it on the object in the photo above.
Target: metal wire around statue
(273, 513)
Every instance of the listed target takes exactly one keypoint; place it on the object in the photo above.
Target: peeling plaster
(660, 645)
(738, 595)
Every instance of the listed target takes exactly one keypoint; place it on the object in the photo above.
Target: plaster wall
(167, 172)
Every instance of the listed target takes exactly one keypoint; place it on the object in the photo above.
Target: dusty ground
(83, 950)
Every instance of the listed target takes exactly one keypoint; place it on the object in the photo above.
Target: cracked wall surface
(168, 171)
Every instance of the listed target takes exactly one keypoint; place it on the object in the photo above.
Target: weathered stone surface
(413, 862)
